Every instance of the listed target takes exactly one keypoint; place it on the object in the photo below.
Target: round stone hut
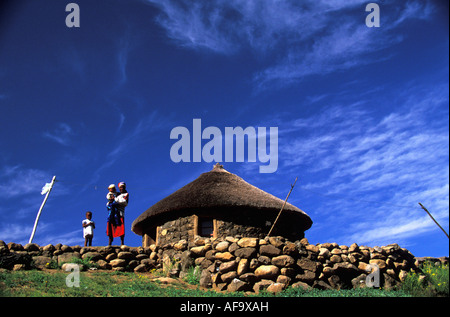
(219, 204)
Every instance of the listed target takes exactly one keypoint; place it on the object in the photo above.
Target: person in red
(116, 225)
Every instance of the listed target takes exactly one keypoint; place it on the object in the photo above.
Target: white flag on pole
(46, 188)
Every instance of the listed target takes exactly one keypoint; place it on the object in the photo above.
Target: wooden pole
(284, 204)
(40, 209)
(429, 214)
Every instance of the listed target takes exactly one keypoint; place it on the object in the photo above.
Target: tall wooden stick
(284, 204)
(40, 210)
(429, 214)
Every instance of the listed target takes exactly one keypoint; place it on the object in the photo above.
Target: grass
(435, 282)
(52, 283)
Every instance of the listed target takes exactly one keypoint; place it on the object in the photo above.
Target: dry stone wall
(234, 263)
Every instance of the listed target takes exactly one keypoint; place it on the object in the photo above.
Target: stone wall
(233, 263)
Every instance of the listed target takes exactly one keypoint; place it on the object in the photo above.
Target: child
(88, 229)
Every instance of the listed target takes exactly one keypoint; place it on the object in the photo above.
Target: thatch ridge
(218, 188)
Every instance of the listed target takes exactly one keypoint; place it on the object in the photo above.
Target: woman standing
(115, 226)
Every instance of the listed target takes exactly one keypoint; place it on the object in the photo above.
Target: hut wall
(186, 227)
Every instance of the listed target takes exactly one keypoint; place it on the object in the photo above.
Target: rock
(276, 241)
(228, 277)
(402, 275)
(227, 266)
(103, 265)
(269, 250)
(19, 267)
(302, 286)
(249, 278)
(248, 242)
(283, 279)
(283, 261)
(359, 281)
(31, 247)
(125, 255)
(66, 248)
(140, 268)
(118, 263)
(269, 272)
(290, 249)
(111, 257)
(312, 248)
(199, 251)
(49, 248)
(41, 262)
(236, 285)
(321, 285)
(307, 264)
(288, 271)
(205, 279)
(264, 284)
(222, 246)
(93, 256)
(264, 260)
(335, 258)
(353, 248)
(242, 266)
(324, 252)
(245, 252)
(15, 246)
(180, 245)
(381, 263)
(336, 251)
(68, 257)
(306, 277)
(224, 256)
(275, 288)
(186, 260)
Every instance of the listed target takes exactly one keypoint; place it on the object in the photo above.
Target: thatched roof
(214, 189)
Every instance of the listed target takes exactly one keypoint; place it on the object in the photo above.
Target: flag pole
(40, 209)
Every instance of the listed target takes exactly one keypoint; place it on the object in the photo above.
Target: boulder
(68, 257)
(41, 262)
(248, 242)
(118, 263)
(275, 288)
(228, 277)
(227, 267)
(245, 252)
(269, 272)
(224, 256)
(222, 246)
(269, 250)
(31, 247)
(283, 261)
(125, 255)
(93, 256)
(236, 285)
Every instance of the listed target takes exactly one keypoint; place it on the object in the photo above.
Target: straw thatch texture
(218, 189)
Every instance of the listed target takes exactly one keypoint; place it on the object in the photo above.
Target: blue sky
(362, 113)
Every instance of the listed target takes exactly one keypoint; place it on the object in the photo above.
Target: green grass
(435, 283)
(52, 283)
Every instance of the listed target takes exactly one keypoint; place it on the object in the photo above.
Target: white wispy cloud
(371, 167)
(19, 181)
(61, 134)
(309, 37)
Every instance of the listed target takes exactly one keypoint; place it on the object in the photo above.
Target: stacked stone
(253, 264)
(117, 258)
(235, 263)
